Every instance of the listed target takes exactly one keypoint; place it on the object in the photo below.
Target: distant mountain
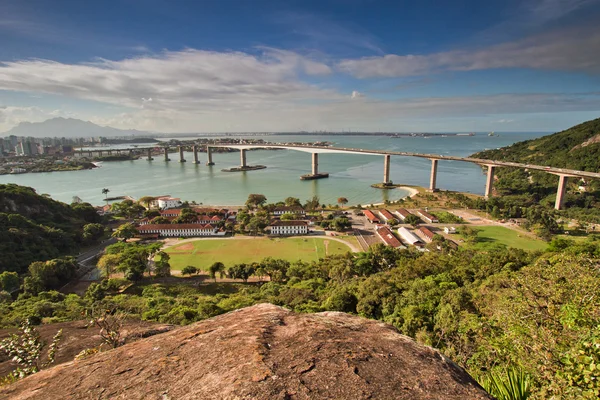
(68, 127)
(575, 148)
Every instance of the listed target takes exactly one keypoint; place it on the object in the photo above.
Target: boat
(492, 134)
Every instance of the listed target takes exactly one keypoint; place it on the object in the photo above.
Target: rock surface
(260, 352)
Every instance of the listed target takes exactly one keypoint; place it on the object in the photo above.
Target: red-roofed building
(425, 233)
(428, 217)
(386, 215)
(371, 217)
(388, 237)
(402, 213)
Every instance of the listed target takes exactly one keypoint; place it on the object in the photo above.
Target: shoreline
(412, 192)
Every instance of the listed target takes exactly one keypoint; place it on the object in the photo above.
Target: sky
(283, 65)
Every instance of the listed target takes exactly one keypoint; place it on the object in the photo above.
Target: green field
(202, 253)
(493, 235)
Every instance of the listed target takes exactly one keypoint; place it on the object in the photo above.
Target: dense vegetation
(576, 148)
(489, 311)
(36, 228)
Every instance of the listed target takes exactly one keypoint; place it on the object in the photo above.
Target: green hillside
(36, 228)
(576, 148)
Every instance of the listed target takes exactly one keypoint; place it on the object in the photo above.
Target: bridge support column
(167, 154)
(489, 183)
(195, 150)
(315, 163)
(433, 177)
(386, 169)
(130, 153)
(209, 161)
(560, 194)
(100, 153)
(110, 152)
(150, 155)
(243, 158)
(181, 159)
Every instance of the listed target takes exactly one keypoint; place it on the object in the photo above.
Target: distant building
(165, 203)
(371, 217)
(425, 233)
(409, 237)
(280, 210)
(289, 228)
(428, 217)
(180, 230)
(386, 215)
(387, 236)
(449, 230)
(402, 213)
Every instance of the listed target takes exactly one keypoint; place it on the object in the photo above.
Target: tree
(25, 349)
(240, 271)
(109, 263)
(288, 217)
(312, 204)
(216, 267)
(255, 200)
(125, 231)
(189, 270)
(92, 232)
(342, 201)
(160, 220)
(51, 274)
(151, 214)
(412, 219)
(110, 323)
(146, 200)
(275, 268)
(162, 268)
(9, 281)
(105, 193)
(187, 216)
(292, 201)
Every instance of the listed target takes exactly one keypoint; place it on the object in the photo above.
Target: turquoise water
(350, 174)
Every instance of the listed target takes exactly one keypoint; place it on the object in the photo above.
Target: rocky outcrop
(260, 352)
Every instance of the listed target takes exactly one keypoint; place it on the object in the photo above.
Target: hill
(260, 352)
(36, 228)
(576, 148)
(68, 127)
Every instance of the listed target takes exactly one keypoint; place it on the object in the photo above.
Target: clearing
(202, 253)
(492, 235)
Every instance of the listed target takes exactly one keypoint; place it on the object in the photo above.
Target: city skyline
(301, 66)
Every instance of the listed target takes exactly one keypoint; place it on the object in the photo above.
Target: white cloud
(567, 50)
(355, 95)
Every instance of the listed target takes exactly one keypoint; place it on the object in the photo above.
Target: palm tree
(105, 193)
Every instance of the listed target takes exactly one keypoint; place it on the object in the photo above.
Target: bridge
(562, 173)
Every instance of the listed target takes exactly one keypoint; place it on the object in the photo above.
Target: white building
(289, 228)
(180, 230)
(288, 210)
(449, 230)
(164, 203)
(409, 237)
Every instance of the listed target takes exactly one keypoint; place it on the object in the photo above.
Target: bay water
(350, 175)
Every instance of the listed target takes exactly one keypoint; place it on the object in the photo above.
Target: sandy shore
(412, 192)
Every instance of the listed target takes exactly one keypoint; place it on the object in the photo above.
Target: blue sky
(214, 66)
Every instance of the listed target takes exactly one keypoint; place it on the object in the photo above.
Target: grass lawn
(203, 253)
(492, 235)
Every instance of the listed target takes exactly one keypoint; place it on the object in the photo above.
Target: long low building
(409, 237)
(402, 213)
(371, 217)
(425, 233)
(386, 215)
(388, 237)
(285, 228)
(180, 230)
(428, 217)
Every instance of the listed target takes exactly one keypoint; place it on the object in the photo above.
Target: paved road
(89, 271)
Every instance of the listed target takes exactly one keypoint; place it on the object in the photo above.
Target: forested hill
(576, 148)
(36, 228)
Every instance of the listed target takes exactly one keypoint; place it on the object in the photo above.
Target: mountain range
(69, 127)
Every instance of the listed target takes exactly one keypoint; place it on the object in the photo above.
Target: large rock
(260, 352)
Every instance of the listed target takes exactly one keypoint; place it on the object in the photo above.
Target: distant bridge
(562, 173)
